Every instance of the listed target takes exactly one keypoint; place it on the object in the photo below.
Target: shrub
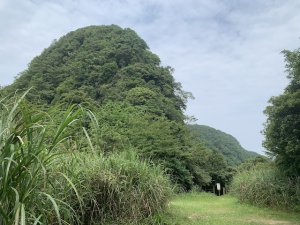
(118, 188)
(267, 186)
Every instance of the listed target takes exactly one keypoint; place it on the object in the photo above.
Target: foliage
(96, 64)
(25, 158)
(267, 186)
(137, 103)
(221, 142)
(165, 142)
(258, 161)
(260, 182)
(154, 137)
(47, 178)
(119, 188)
(209, 167)
(111, 70)
(282, 129)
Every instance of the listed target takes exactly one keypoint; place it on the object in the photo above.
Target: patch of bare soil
(196, 216)
(270, 221)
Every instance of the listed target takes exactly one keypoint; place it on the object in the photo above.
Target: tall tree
(282, 128)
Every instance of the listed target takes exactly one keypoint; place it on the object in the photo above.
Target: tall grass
(118, 188)
(25, 159)
(267, 186)
(46, 178)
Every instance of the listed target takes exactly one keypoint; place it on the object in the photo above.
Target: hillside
(221, 142)
(136, 102)
(97, 64)
(97, 123)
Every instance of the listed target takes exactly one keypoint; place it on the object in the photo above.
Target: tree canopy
(96, 64)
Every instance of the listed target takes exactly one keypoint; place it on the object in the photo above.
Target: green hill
(112, 72)
(136, 101)
(221, 142)
(97, 64)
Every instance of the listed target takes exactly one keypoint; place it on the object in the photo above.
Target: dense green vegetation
(96, 64)
(222, 143)
(139, 106)
(277, 184)
(282, 129)
(111, 69)
(47, 178)
(267, 186)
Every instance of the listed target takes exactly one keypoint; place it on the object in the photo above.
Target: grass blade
(55, 207)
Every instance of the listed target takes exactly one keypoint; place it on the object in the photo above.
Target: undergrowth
(47, 178)
(118, 188)
(267, 186)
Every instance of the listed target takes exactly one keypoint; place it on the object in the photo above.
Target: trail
(200, 209)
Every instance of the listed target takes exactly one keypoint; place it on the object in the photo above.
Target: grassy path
(206, 209)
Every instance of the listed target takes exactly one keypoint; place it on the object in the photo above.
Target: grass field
(200, 209)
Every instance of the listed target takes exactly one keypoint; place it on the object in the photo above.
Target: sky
(226, 52)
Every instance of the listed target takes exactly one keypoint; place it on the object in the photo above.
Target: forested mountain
(97, 64)
(221, 142)
(136, 101)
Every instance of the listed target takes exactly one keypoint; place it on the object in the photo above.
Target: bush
(267, 186)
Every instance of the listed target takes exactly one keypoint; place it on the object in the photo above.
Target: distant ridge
(221, 142)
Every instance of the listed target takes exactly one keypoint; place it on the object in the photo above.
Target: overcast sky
(226, 52)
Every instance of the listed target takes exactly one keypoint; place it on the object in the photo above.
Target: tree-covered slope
(97, 64)
(136, 101)
(221, 142)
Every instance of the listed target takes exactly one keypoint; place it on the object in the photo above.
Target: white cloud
(226, 52)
